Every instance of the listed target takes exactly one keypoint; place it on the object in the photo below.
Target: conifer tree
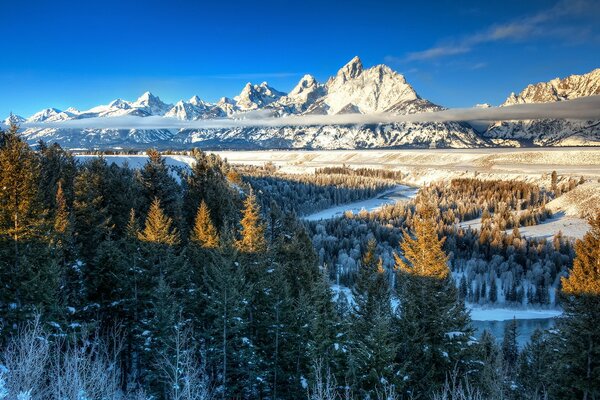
(535, 363)
(204, 234)
(434, 326)
(253, 230)
(19, 172)
(93, 222)
(373, 348)
(580, 335)
(158, 227)
(157, 183)
(227, 332)
(510, 351)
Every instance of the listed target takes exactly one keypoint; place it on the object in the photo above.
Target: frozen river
(392, 196)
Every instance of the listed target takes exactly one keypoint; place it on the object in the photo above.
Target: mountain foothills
(353, 89)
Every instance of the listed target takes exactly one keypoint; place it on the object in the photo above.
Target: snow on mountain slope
(551, 132)
(376, 89)
(254, 97)
(353, 89)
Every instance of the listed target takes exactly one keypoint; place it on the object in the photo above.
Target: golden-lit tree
(253, 229)
(584, 278)
(204, 233)
(423, 253)
(158, 227)
(579, 347)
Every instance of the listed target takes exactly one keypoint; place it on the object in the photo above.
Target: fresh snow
(399, 193)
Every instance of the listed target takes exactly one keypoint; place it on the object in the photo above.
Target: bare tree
(184, 370)
(456, 388)
(25, 359)
(324, 386)
(85, 371)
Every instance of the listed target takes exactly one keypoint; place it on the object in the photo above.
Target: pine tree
(253, 230)
(490, 375)
(373, 350)
(158, 227)
(29, 277)
(204, 234)
(227, 334)
(510, 350)
(535, 363)
(434, 325)
(93, 221)
(157, 183)
(19, 172)
(579, 327)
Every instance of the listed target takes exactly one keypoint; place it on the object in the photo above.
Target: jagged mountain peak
(558, 89)
(195, 100)
(256, 96)
(119, 103)
(375, 89)
(352, 69)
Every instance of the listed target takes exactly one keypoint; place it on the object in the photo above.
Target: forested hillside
(158, 284)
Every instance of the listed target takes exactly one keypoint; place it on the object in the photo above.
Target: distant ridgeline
(353, 90)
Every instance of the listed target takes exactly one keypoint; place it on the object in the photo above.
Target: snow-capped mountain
(552, 132)
(354, 89)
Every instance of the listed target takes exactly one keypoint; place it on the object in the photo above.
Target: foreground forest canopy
(204, 283)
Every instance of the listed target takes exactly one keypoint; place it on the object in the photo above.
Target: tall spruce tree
(580, 325)
(372, 344)
(19, 174)
(204, 233)
(252, 234)
(434, 326)
(157, 183)
(535, 363)
(158, 227)
(29, 279)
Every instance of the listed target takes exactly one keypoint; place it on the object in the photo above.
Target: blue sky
(454, 53)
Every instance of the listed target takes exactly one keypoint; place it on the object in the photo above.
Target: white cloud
(587, 108)
(545, 23)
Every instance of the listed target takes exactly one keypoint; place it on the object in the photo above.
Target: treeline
(367, 172)
(490, 265)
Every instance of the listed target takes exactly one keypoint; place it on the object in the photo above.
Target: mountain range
(354, 89)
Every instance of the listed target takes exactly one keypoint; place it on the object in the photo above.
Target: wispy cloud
(547, 23)
(587, 108)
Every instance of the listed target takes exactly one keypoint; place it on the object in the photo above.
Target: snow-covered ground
(399, 193)
(138, 161)
(427, 165)
(572, 227)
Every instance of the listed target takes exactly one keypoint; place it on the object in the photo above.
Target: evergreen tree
(535, 363)
(158, 228)
(19, 172)
(93, 222)
(253, 230)
(227, 334)
(510, 351)
(30, 279)
(373, 348)
(157, 183)
(490, 375)
(434, 327)
(579, 326)
(204, 234)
